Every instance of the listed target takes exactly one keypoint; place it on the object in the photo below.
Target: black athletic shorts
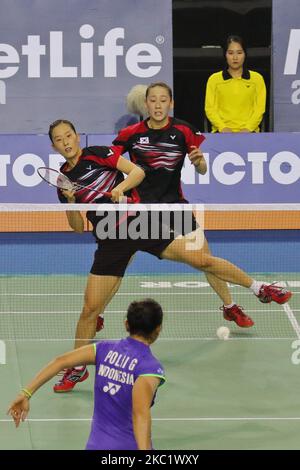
(113, 255)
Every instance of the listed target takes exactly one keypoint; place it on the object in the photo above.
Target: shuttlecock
(136, 100)
(223, 332)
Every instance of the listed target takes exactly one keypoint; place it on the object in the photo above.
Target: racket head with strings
(61, 181)
(55, 178)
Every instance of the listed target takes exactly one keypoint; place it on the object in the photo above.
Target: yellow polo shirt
(236, 103)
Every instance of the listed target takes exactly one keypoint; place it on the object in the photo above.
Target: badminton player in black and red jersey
(159, 145)
(113, 255)
(99, 168)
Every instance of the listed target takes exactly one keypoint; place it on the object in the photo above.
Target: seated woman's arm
(211, 109)
(259, 104)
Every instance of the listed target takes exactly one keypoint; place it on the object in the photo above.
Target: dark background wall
(200, 28)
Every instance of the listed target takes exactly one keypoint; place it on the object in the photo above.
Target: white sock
(255, 286)
(229, 306)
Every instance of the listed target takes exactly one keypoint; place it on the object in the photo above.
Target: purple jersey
(118, 365)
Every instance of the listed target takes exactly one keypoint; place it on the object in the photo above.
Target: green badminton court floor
(237, 394)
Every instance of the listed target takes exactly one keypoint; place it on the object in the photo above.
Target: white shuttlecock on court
(223, 333)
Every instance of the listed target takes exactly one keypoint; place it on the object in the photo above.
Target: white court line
(149, 291)
(198, 338)
(256, 418)
(48, 312)
(292, 319)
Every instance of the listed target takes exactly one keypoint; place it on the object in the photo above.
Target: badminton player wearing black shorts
(113, 255)
(159, 145)
(99, 169)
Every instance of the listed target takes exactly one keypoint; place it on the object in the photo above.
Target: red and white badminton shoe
(271, 293)
(70, 378)
(236, 314)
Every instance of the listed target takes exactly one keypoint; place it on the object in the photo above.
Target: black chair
(204, 26)
(258, 27)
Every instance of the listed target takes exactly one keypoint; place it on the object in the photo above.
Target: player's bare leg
(179, 250)
(100, 318)
(218, 285)
(231, 311)
(201, 259)
(99, 291)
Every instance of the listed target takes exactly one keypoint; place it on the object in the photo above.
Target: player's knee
(90, 312)
(203, 261)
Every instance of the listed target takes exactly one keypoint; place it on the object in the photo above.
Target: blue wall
(70, 253)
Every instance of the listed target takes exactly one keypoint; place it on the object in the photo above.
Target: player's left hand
(117, 195)
(196, 156)
(19, 409)
(245, 130)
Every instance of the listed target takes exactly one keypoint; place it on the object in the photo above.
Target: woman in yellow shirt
(235, 98)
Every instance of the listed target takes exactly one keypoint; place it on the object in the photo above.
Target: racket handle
(129, 200)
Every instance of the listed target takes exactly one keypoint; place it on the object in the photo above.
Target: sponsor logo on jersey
(111, 388)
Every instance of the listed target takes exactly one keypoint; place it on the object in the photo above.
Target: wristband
(27, 393)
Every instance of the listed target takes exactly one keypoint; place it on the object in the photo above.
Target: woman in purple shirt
(127, 376)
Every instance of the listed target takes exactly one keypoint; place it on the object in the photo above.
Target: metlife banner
(286, 65)
(260, 168)
(77, 60)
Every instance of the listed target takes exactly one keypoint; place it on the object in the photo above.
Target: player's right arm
(142, 396)
(75, 218)
(135, 176)
(19, 408)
